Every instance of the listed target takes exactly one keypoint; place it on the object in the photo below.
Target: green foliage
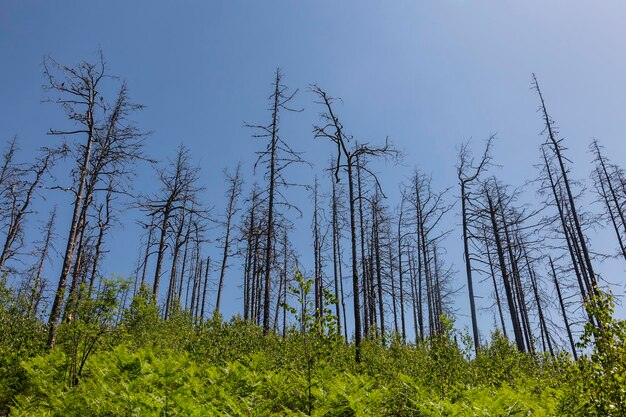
(88, 322)
(21, 337)
(135, 363)
(318, 331)
(145, 382)
(599, 381)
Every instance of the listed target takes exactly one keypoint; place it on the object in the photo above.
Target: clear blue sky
(428, 74)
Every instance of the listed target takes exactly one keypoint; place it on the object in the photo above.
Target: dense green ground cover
(134, 363)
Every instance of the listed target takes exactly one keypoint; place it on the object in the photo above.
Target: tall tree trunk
(161, 253)
(563, 311)
(505, 278)
(57, 304)
(542, 320)
(468, 268)
(570, 196)
(36, 292)
(400, 273)
(379, 281)
(206, 282)
(495, 284)
(355, 270)
(270, 209)
(366, 313)
(336, 265)
(146, 256)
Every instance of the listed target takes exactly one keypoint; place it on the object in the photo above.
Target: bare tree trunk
(319, 303)
(178, 242)
(468, 268)
(270, 208)
(103, 226)
(338, 138)
(366, 313)
(570, 197)
(419, 331)
(563, 311)
(251, 263)
(565, 229)
(233, 193)
(36, 291)
(336, 265)
(184, 263)
(505, 278)
(495, 284)
(195, 288)
(605, 181)
(542, 320)
(379, 283)
(72, 298)
(465, 179)
(284, 302)
(393, 284)
(355, 271)
(400, 271)
(20, 209)
(146, 256)
(206, 281)
(160, 254)
(59, 295)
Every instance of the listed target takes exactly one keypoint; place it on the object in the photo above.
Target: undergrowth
(132, 362)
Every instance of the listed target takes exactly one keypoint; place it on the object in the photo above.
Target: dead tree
(234, 189)
(607, 185)
(489, 259)
(400, 238)
(248, 231)
(181, 220)
(317, 253)
(79, 94)
(109, 144)
(42, 250)
(377, 264)
(557, 200)
(18, 189)
(468, 172)
(557, 148)
(429, 209)
(276, 157)
(7, 170)
(332, 129)
(118, 145)
(506, 279)
(538, 301)
(206, 283)
(336, 226)
(179, 190)
(144, 263)
(563, 310)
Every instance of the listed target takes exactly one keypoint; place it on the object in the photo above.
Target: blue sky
(428, 74)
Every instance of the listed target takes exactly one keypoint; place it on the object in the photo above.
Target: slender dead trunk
(336, 266)
(468, 268)
(401, 271)
(68, 258)
(505, 278)
(563, 311)
(36, 291)
(355, 271)
(233, 193)
(495, 285)
(570, 196)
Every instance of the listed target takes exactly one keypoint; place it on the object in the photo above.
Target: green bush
(133, 362)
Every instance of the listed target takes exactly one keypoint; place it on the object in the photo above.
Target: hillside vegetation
(130, 362)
